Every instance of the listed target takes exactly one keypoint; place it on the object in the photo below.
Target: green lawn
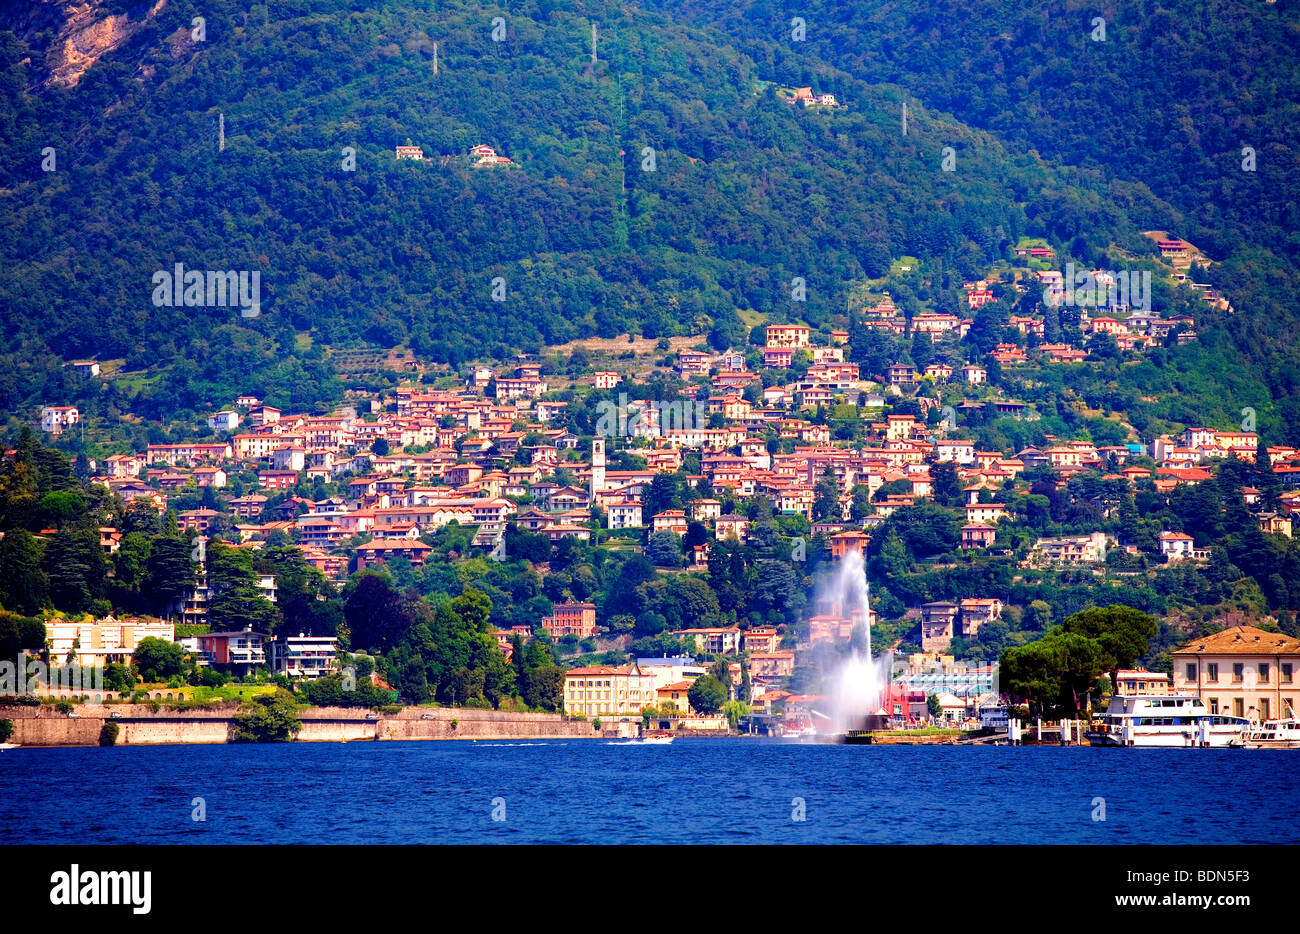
(204, 694)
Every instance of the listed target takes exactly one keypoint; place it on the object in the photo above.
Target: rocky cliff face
(67, 37)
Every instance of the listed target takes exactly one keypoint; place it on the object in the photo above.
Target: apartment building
(304, 656)
(608, 691)
(102, 641)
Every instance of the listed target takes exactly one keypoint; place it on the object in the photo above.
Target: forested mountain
(746, 192)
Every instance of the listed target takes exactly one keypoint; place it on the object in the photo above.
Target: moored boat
(1173, 720)
(1272, 734)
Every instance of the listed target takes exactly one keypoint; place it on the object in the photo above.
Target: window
(1263, 673)
(1286, 672)
(1214, 705)
(1238, 707)
(1237, 671)
(1212, 672)
(1265, 711)
(1191, 671)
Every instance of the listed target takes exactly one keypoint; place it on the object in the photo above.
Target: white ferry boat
(1164, 720)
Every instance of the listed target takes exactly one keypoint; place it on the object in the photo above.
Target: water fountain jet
(860, 682)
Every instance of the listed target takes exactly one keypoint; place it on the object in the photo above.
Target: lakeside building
(239, 651)
(670, 669)
(678, 695)
(304, 656)
(609, 691)
(932, 673)
(103, 641)
(1241, 671)
(1139, 681)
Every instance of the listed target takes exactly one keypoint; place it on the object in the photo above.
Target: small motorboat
(650, 739)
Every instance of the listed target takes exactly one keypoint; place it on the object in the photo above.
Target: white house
(291, 457)
(1179, 546)
(624, 514)
(974, 374)
(224, 421)
(55, 418)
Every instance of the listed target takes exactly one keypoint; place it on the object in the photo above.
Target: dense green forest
(746, 193)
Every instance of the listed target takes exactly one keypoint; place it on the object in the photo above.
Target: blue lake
(718, 791)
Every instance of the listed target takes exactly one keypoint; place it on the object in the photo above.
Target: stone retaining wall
(139, 725)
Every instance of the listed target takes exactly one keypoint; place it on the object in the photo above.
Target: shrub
(390, 709)
(6, 730)
(63, 707)
(108, 734)
(269, 718)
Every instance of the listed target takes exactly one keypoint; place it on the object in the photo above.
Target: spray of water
(858, 685)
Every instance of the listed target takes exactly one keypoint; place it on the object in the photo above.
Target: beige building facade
(606, 691)
(1242, 671)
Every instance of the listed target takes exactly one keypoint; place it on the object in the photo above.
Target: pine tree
(1266, 479)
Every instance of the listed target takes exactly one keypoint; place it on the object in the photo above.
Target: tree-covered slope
(747, 192)
(1196, 100)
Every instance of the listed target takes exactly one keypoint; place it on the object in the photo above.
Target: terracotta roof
(1243, 640)
(677, 686)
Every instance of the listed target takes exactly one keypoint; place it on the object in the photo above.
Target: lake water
(586, 791)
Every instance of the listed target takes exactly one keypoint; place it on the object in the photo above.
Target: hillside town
(745, 439)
